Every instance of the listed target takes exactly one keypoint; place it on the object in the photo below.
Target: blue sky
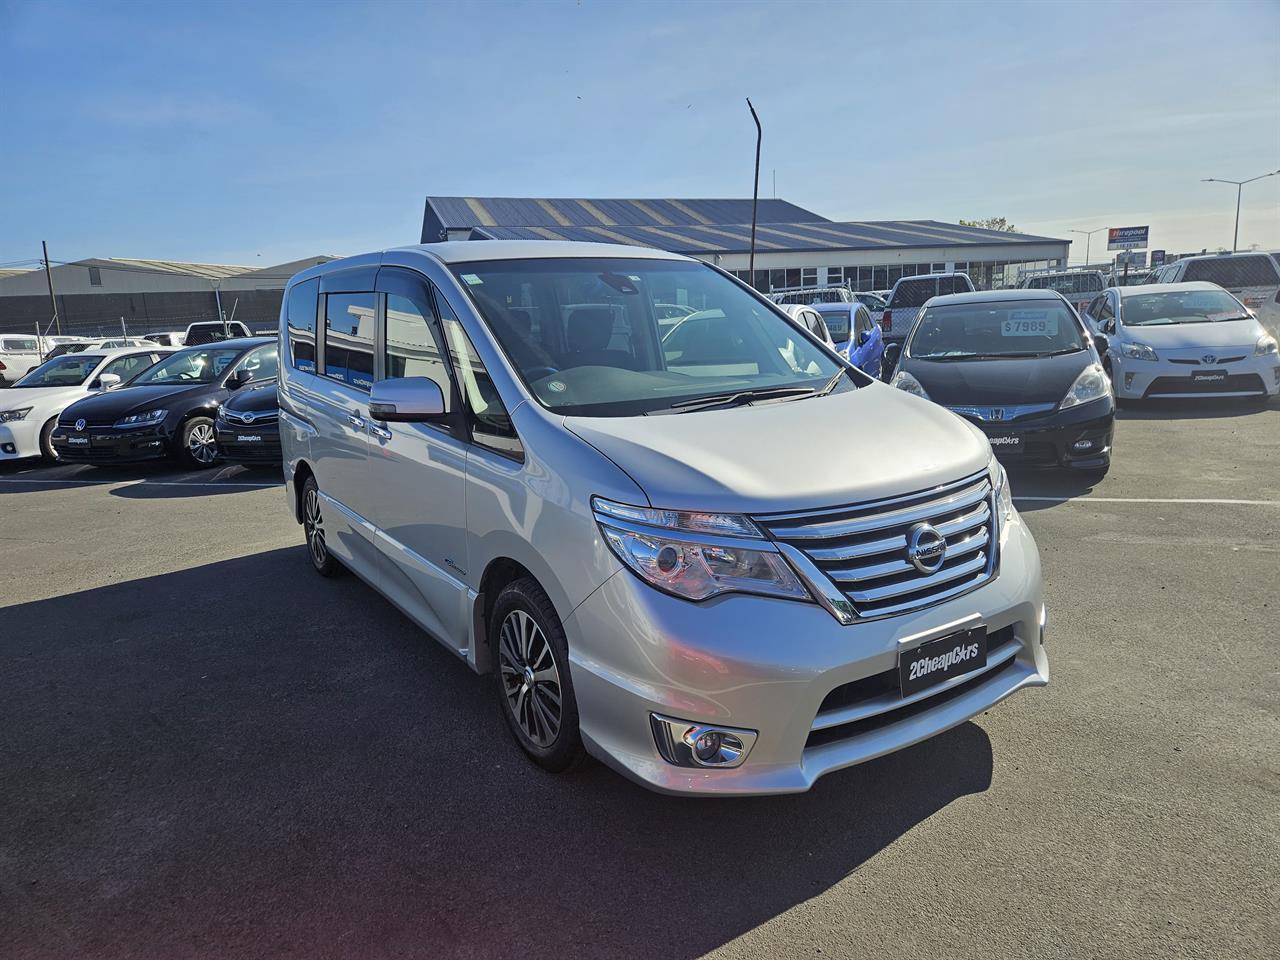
(261, 132)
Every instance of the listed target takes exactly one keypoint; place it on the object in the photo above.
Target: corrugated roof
(773, 237)
(459, 213)
(212, 271)
(14, 271)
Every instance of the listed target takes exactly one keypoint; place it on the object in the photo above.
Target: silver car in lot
(657, 546)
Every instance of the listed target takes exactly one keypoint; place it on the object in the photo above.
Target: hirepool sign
(1127, 238)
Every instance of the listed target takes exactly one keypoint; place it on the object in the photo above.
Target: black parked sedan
(167, 410)
(1020, 365)
(247, 427)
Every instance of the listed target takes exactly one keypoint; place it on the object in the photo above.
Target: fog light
(1082, 445)
(9, 448)
(1128, 381)
(688, 744)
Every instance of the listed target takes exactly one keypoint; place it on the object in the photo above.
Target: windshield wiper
(741, 398)
(831, 384)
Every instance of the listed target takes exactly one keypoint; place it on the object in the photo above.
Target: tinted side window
(490, 423)
(413, 346)
(263, 363)
(300, 315)
(126, 367)
(1234, 273)
(1104, 310)
(348, 338)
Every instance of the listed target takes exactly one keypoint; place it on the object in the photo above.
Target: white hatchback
(1183, 340)
(29, 410)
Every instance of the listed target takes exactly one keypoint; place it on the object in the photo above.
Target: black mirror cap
(1101, 343)
(239, 379)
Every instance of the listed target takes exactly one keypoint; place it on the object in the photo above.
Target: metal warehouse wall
(98, 314)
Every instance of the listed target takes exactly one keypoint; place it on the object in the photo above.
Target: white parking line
(1087, 499)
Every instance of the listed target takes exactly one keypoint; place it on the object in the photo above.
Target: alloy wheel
(201, 444)
(530, 678)
(313, 523)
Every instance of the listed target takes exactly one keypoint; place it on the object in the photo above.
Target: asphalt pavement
(210, 752)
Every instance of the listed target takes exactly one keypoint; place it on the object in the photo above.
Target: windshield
(1180, 306)
(189, 367)
(65, 371)
(1009, 329)
(588, 339)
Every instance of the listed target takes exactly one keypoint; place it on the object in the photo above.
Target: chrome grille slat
(855, 551)
(859, 551)
(828, 529)
(977, 541)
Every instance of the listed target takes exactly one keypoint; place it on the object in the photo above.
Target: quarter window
(127, 367)
(300, 318)
(348, 338)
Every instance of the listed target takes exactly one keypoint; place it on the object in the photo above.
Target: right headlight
(1092, 384)
(1138, 351)
(1000, 481)
(695, 555)
(909, 384)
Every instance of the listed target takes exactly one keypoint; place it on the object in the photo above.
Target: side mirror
(891, 354)
(406, 400)
(239, 379)
(108, 381)
(863, 337)
(1101, 343)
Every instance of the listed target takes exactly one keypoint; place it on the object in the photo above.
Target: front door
(419, 472)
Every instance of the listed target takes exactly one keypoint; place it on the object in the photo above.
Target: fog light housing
(1080, 446)
(8, 448)
(1128, 381)
(686, 744)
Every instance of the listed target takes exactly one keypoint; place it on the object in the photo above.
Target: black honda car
(168, 410)
(1021, 366)
(247, 428)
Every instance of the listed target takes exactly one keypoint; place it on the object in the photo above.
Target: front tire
(313, 527)
(532, 673)
(47, 451)
(198, 445)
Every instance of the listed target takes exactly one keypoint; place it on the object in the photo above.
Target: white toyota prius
(29, 409)
(1183, 340)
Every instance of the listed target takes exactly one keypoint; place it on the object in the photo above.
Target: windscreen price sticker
(1029, 323)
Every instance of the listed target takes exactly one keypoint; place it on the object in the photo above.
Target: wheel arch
(500, 572)
(301, 474)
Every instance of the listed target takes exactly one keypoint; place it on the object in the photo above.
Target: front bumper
(1078, 437)
(248, 443)
(774, 666)
(19, 439)
(1248, 376)
(110, 445)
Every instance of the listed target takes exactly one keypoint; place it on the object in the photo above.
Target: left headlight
(1092, 384)
(1000, 481)
(696, 555)
(1265, 347)
(12, 416)
(1138, 351)
(142, 419)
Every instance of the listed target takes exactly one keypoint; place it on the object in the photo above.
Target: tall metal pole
(1239, 185)
(49, 277)
(755, 195)
(1235, 237)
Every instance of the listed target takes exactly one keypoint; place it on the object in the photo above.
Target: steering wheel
(537, 373)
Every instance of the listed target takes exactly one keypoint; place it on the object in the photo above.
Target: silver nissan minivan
(710, 553)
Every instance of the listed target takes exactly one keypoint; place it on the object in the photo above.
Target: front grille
(1232, 383)
(862, 548)
(1198, 362)
(258, 418)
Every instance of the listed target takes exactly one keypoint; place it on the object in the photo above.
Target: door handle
(379, 432)
(356, 420)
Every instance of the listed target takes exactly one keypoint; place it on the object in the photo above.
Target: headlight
(695, 555)
(906, 382)
(222, 412)
(143, 419)
(1138, 351)
(1092, 384)
(12, 416)
(1000, 481)
(1265, 347)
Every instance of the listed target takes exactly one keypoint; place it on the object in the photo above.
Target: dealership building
(794, 247)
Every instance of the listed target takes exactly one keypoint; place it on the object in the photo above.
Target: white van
(1252, 278)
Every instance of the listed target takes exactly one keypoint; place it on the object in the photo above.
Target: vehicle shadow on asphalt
(242, 759)
(159, 480)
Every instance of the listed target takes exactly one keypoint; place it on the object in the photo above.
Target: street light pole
(1088, 240)
(1239, 185)
(755, 197)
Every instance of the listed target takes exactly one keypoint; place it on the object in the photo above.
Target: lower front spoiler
(105, 445)
(1064, 440)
